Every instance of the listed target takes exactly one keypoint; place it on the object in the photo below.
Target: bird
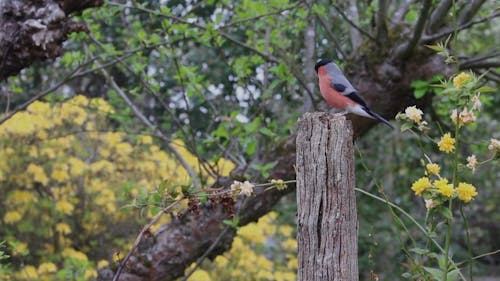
(340, 94)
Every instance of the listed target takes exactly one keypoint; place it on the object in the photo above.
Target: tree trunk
(327, 221)
(35, 30)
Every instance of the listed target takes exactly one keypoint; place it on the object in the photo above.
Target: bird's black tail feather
(379, 118)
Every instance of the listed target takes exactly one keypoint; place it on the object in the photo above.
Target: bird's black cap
(320, 63)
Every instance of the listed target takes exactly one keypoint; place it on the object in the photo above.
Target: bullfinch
(340, 94)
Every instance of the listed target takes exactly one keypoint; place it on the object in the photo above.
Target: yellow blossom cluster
(461, 80)
(446, 143)
(441, 187)
(252, 253)
(67, 167)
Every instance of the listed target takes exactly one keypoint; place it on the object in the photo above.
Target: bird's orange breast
(331, 96)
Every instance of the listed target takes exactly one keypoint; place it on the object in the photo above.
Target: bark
(35, 30)
(30, 31)
(327, 228)
(386, 88)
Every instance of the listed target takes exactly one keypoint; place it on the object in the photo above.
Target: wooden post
(327, 233)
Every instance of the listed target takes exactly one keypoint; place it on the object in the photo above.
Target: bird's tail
(379, 118)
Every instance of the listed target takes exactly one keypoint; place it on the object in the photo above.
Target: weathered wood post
(327, 222)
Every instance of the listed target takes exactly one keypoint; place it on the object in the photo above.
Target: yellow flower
(21, 197)
(124, 148)
(413, 113)
(102, 264)
(200, 275)
(146, 140)
(60, 172)
(461, 80)
(447, 143)
(90, 274)
(37, 173)
(466, 191)
(290, 244)
(64, 207)
(433, 168)
(74, 254)
(20, 248)
(12, 217)
(77, 166)
(29, 273)
(63, 228)
(444, 187)
(47, 267)
(421, 185)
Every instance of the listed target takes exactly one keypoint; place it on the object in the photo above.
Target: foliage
(261, 251)
(227, 78)
(65, 183)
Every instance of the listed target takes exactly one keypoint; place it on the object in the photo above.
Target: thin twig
(448, 31)
(239, 21)
(225, 35)
(344, 16)
(206, 253)
(41, 94)
(401, 12)
(481, 64)
(417, 224)
(330, 35)
(470, 10)
(138, 113)
(141, 234)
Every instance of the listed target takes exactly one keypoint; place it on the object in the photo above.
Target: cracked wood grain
(327, 220)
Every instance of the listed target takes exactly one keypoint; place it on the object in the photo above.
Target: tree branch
(225, 35)
(469, 11)
(138, 113)
(450, 30)
(404, 50)
(481, 64)
(465, 63)
(35, 30)
(439, 14)
(330, 35)
(355, 34)
(346, 18)
(381, 25)
(401, 12)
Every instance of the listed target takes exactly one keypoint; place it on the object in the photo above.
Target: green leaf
(420, 251)
(436, 48)
(445, 212)
(419, 93)
(436, 273)
(452, 275)
(251, 148)
(232, 223)
(265, 131)
(486, 89)
(417, 84)
(406, 126)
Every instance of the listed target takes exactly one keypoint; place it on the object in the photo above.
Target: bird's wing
(357, 98)
(348, 91)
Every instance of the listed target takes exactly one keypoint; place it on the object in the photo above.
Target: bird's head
(320, 63)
